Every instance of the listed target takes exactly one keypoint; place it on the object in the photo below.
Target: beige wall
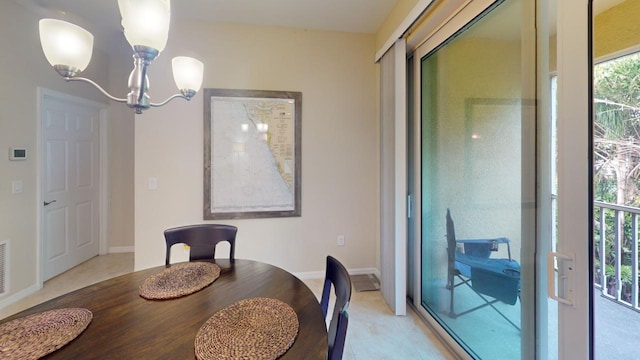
(121, 154)
(617, 29)
(478, 180)
(340, 136)
(340, 152)
(24, 70)
(614, 30)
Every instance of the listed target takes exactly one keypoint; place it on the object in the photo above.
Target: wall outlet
(340, 240)
(152, 184)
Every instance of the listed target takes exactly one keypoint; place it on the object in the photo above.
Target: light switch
(16, 186)
(153, 183)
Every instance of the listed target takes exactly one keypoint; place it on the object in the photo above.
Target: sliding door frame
(575, 176)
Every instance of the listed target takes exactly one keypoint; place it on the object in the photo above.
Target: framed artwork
(252, 153)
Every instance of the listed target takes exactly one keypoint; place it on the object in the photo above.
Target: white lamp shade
(146, 22)
(66, 44)
(187, 72)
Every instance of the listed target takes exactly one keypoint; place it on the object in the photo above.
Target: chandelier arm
(103, 91)
(169, 99)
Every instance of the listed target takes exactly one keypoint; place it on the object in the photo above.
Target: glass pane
(477, 150)
(616, 180)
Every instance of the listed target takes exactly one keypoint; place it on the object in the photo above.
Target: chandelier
(68, 49)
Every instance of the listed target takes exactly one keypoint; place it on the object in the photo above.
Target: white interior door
(70, 183)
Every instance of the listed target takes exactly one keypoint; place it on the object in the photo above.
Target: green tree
(617, 129)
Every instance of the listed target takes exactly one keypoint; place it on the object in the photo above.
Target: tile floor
(374, 332)
(95, 270)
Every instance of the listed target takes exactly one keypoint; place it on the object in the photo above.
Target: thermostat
(17, 154)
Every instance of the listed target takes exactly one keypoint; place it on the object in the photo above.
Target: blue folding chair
(491, 279)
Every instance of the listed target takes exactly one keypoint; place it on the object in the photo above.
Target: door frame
(103, 180)
(575, 174)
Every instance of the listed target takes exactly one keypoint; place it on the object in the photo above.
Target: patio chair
(492, 279)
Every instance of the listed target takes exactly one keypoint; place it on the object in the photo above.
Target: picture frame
(252, 154)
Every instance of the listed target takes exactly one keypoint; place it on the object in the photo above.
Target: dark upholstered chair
(492, 279)
(336, 275)
(202, 240)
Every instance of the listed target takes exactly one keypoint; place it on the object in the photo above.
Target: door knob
(48, 202)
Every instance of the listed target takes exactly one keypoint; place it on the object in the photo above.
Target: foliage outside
(616, 163)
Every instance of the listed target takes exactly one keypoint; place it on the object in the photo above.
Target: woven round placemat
(37, 335)
(179, 280)
(256, 328)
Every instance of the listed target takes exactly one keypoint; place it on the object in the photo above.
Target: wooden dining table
(127, 326)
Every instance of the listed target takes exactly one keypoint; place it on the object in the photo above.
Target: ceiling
(102, 17)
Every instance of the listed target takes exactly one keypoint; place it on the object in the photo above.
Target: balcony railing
(616, 252)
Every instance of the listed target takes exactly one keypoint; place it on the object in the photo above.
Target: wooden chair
(336, 275)
(202, 240)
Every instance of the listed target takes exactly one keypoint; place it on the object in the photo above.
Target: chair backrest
(451, 238)
(202, 240)
(336, 275)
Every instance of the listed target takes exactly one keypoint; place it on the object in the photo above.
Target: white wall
(24, 69)
(340, 135)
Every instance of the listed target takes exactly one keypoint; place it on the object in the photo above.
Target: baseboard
(310, 275)
(19, 295)
(121, 249)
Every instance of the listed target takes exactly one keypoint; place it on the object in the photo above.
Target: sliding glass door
(478, 146)
(487, 180)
